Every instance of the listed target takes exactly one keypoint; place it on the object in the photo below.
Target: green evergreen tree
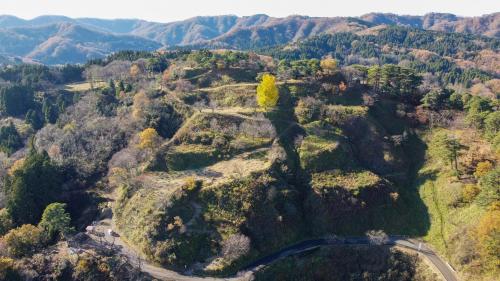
(390, 79)
(33, 118)
(394, 80)
(128, 88)
(61, 103)
(374, 77)
(55, 221)
(121, 86)
(492, 125)
(10, 140)
(16, 100)
(446, 148)
(111, 85)
(5, 222)
(478, 109)
(456, 101)
(490, 188)
(436, 99)
(409, 81)
(50, 112)
(31, 188)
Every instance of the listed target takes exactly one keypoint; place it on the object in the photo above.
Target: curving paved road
(444, 268)
(246, 273)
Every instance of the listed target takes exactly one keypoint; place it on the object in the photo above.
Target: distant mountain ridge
(487, 25)
(60, 43)
(59, 39)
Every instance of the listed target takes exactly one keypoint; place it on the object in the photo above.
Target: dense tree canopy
(5, 222)
(33, 118)
(10, 140)
(16, 100)
(478, 109)
(31, 188)
(437, 99)
(55, 221)
(447, 148)
(490, 188)
(488, 234)
(298, 68)
(23, 241)
(348, 48)
(8, 270)
(394, 80)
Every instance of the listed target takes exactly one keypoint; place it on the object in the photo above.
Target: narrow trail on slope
(196, 214)
(440, 216)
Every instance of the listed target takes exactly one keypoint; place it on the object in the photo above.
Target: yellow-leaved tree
(141, 102)
(18, 164)
(483, 168)
(488, 236)
(148, 139)
(328, 65)
(135, 70)
(267, 92)
(8, 270)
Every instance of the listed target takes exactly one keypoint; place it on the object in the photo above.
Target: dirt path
(208, 89)
(435, 201)
(196, 214)
(235, 111)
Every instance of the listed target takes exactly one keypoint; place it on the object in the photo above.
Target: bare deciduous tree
(213, 105)
(200, 105)
(184, 86)
(88, 148)
(377, 237)
(127, 158)
(256, 129)
(277, 153)
(235, 246)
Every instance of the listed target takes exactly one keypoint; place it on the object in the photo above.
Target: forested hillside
(203, 162)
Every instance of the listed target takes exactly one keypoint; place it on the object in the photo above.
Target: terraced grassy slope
(233, 172)
(174, 154)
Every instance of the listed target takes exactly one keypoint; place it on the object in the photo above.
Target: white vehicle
(111, 233)
(90, 229)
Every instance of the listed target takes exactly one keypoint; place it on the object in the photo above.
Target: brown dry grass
(82, 87)
(240, 166)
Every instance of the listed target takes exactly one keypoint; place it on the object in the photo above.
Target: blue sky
(170, 10)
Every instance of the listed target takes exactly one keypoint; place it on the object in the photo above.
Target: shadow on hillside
(82, 207)
(287, 129)
(351, 97)
(409, 215)
(418, 220)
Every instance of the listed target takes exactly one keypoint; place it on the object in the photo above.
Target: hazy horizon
(151, 10)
